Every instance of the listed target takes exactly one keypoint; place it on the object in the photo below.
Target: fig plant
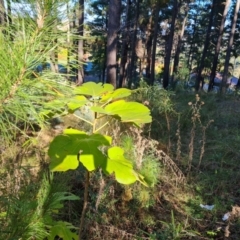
(74, 147)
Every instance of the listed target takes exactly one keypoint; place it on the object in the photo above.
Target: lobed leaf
(94, 89)
(73, 146)
(117, 94)
(128, 111)
(121, 167)
(62, 230)
(76, 102)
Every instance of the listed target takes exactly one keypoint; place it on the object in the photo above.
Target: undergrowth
(188, 156)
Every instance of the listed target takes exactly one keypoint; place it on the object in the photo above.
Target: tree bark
(179, 44)
(2, 13)
(168, 50)
(104, 65)
(206, 45)
(133, 44)
(154, 44)
(113, 27)
(149, 48)
(9, 12)
(230, 43)
(217, 49)
(124, 52)
(189, 62)
(80, 60)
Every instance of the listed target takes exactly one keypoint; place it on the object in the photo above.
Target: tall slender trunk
(206, 45)
(179, 44)
(169, 44)
(124, 52)
(217, 49)
(149, 48)
(54, 52)
(113, 27)
(189, 63)
(133, 44)
(9, 12)
(123, 66)
(104, 63)
(54, 57)
(80, 73)
(2, 13)
(154, 44)
(68, 42)
(230, 43)
(104, 56)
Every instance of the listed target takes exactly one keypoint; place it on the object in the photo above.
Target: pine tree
(169, 44)
(114, 13)
(218, 45)
(230, 44)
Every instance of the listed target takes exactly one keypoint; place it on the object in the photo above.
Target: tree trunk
(189, 62)
(2, 13)
(154, 44)
(105, 56)
(68, 42)
(80, 60)
(9, 12)
(124, 52)
(133, 45)
(217, 49)
(54, 58)
(179, 44)
(168, 50)
(206, 45)
(230, 43)
(105, 63)
(113, 27)
(149, 48)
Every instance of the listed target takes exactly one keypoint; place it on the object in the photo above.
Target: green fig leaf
(117, 94)
(73, 146)
(128, 111)
(98, 109)
(120, 166)
(63, 154)
(76, 102)
(94, 89)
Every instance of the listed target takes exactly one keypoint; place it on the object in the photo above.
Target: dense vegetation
(104, 132)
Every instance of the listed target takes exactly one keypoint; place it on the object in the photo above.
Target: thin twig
(83, 119)
(85, 203)
(102, 126)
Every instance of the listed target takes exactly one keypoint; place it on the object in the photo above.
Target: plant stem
(102, 126)
(85, 203)
(83, 119)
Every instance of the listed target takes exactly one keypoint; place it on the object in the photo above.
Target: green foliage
(151, 170)
(73, 146)
(176, 231)
(23, 91)
(183, 72)
(62, 230)
(93, 89)
(128, 111)
(122, 167)
(159, 99)
(33, 212)
(65, 148)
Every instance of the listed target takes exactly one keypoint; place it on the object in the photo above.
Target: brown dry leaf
(226, 231)
(236, 211)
